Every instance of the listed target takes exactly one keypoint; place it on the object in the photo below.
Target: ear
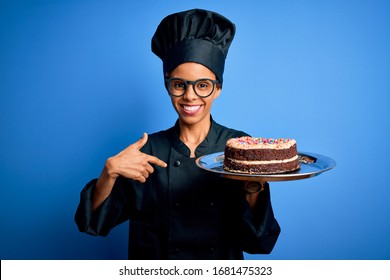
(217, 91)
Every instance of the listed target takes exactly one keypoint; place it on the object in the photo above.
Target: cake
(261, 155)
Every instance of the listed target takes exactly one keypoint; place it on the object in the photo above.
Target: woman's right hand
(130, 163)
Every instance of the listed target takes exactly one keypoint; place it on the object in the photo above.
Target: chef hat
(194, 36)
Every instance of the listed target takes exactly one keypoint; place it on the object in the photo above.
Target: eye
(178, 85)
(203, 85)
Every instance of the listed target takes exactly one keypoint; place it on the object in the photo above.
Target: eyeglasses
(202, 87)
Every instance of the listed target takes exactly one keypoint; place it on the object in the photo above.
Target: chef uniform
(182, 211)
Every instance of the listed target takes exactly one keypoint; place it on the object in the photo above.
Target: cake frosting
(261, 155)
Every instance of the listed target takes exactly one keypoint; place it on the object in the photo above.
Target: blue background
(78, 83)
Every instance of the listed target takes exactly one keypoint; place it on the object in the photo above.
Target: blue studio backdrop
(78, 83)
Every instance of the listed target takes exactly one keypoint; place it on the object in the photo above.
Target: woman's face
(191, 108)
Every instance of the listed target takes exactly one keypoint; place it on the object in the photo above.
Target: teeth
(191, 108)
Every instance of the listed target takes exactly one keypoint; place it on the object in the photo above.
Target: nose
(190, 94)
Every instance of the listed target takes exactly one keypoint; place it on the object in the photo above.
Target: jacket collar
(204, 146)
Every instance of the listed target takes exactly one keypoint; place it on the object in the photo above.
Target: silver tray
(311, 165)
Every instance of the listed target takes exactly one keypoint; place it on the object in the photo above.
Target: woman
(176, 210)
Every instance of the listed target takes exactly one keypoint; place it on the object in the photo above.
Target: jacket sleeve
(111, 213)
(260, 228)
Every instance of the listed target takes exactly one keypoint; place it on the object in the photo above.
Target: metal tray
(311, 165)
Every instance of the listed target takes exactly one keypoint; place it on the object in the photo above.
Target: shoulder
(158, 142)
(219, 135)
(160, 135)
(226, 132)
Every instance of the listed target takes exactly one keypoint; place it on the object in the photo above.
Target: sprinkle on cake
(253, 142)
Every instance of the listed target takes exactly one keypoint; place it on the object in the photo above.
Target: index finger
(156, 161)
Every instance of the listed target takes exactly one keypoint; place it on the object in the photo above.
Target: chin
(191, 120)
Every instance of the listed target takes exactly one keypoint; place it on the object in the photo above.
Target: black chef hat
(194, 36)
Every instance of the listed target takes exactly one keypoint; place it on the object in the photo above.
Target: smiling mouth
(191, 109)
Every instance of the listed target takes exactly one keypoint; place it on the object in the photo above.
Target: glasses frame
(193, 83)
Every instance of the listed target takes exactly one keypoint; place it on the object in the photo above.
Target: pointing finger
(157, 161)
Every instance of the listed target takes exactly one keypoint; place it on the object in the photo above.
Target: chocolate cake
(261, 155)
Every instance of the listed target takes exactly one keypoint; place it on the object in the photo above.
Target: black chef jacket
(182, 211)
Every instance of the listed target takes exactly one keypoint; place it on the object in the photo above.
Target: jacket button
(176, 163)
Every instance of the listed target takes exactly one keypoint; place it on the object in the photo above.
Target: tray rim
(295, 175)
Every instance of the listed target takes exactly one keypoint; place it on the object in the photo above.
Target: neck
(193, 134)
